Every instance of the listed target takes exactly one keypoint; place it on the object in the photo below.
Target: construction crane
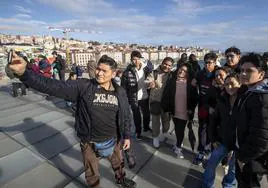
(65, 31)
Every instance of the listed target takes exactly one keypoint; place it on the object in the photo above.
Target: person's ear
(262, 74)
(114, 74)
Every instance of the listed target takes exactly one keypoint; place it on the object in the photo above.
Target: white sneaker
(156, 142)
(163, 137)
(178, 151)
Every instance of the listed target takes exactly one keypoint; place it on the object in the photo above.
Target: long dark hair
(190, 72)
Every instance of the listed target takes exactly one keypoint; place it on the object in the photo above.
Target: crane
(66, 30)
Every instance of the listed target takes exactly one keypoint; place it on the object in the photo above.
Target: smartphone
(9, 57)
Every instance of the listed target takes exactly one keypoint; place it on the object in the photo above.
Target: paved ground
(39, 148)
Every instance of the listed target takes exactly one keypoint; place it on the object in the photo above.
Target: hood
(262, 87)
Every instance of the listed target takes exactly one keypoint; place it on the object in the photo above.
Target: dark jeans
(179, 126)
(203, 139)
(62, 75)
(91, 164)
(246, 178)
(209, 174)
(142, 105)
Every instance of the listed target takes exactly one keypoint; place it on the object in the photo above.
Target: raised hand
(18, 64)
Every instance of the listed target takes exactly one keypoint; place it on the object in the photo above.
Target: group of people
(42, 66)
(231, 103)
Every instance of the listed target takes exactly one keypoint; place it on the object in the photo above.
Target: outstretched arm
(61, 89)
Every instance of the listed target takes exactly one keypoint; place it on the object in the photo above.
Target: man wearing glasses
(203, 82)
(252, 123)
(233, 55)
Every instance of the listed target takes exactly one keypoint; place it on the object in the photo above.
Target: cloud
(192, 8)
(20, 25)
(22, 9)
(121, 24)
(78, 6)
(22, 16)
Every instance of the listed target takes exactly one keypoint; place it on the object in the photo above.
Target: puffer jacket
(252, 127)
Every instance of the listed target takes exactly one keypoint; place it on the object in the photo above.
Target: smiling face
(232, 59)
(220, 76)
(231, 85)
(250, 74)
(104, 73)
(182, 72)
(210, 65)
(166, 66)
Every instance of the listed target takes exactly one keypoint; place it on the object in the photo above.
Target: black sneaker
(126, 183)
(147, 129)
(198, 159)
(139, 137)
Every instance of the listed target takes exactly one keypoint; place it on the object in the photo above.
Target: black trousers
(137, 107)
(203, 138)
(246, 178)
(62, 75)
(179, 125)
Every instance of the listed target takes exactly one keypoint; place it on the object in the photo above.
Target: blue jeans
(209, 175)
(106, 148)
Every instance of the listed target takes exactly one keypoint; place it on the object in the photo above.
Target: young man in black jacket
(252, 123)
(102, 115)
(134, 82)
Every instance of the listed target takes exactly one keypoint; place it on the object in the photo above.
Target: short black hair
(255, 59)
(168, 59)
(233, 75)
(54, 53)
(211, 55)
(225, 69)
(232, 49)
(42, 56)
(265, 56)
(135, 53)
(184, 56)
(192, 58)
(105, 59)
(71, 74)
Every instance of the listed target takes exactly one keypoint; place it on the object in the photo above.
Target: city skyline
(214, 24)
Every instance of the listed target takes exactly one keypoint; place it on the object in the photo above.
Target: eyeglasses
(209, 62)
(230, 56)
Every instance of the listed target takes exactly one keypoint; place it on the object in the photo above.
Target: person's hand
(194, 82)
(126, 145)
(241, 165)
(18, 64)
(211, 110)
(215, 145)
(152, 85)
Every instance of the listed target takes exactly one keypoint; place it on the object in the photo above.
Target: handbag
(155, 107)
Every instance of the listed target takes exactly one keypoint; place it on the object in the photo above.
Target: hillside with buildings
(81, 52)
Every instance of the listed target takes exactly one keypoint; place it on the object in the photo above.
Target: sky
(216, 24)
